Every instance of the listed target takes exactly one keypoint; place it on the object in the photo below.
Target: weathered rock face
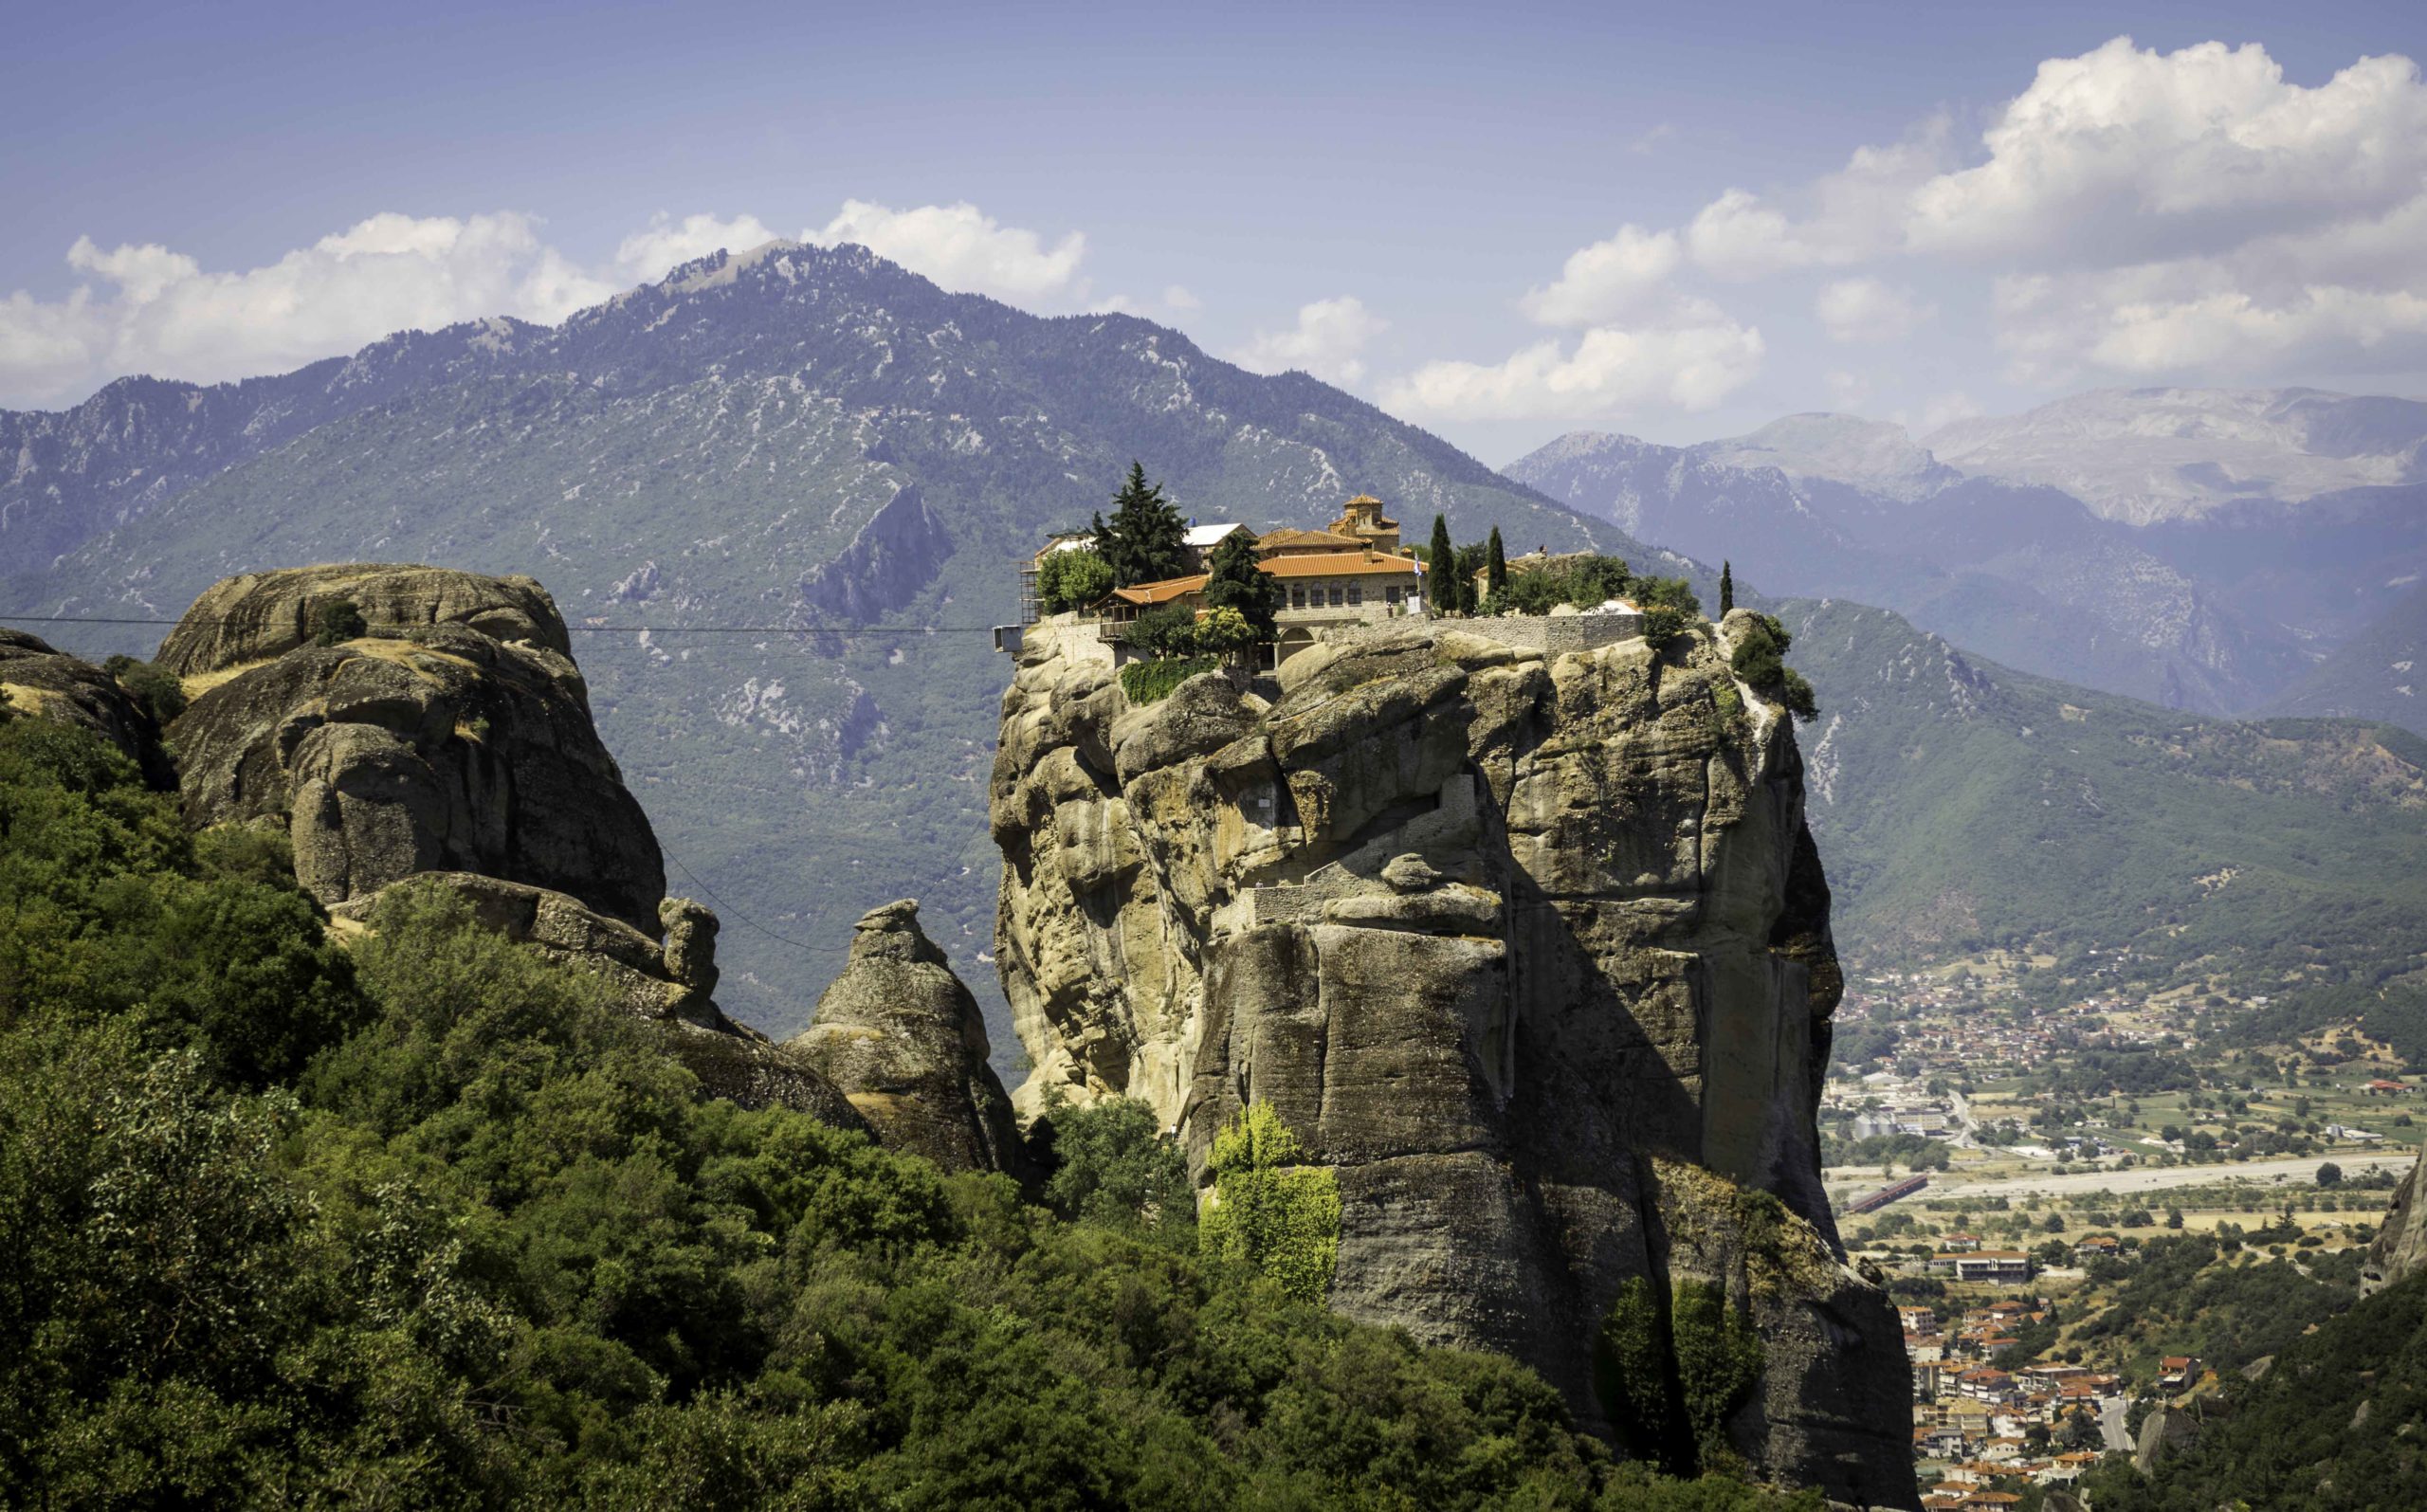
(251, 618)
(1532, 949)
(438, 749)
(51, 684)
(904, 1041)
(2401, 1246)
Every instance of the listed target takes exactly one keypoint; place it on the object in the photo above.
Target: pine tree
(1727, 588)
(1146, 540)
(1441, 566)
(1235, 581)
(1495, 565)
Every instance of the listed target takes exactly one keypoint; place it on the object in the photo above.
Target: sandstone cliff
(1533, 950)
(901, 1035)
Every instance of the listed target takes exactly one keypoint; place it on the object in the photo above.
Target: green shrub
(1114, 1165)
(1167, 630)
(1719, 1362)
(1071, 579)
(1632, 1375)
(154, 689)
(1271, 1212)
(1151, 682)
(1663, 623)
(337, 620)
(1760, 659)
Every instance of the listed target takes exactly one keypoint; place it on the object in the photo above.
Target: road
(2158, 1178)
(2110, 1423)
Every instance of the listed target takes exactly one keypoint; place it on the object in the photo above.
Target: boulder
(438, 749)
(2167, 1433)
(51, 685)
(257, 616)
(902, 1038)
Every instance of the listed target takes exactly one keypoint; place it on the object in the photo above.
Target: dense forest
(413, 1219)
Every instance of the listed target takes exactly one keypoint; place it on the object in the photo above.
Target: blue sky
(1679, 221)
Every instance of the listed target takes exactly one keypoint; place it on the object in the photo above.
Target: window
(1389, 595)
(1297, 598)
(1356, 593)
(1335, 595)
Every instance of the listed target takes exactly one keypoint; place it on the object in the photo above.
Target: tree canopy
(1145, 542)
(1235, 581)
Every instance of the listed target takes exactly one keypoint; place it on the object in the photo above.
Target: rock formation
(1532, 949)
(2401, 1246)
(51, 685)
(243, 620)
(430, 744)
(904, 1041)
(452, 746)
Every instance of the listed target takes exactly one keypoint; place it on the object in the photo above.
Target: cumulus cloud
(2141, 213)
(1692, 362)
(1328, 340)
(146, 308)
(963, 248)
(1864, 310)
(1607, 279)
(1844, 217)
(2162, 154)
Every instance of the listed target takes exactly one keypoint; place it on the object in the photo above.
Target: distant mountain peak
(2149, 455)
(1878, 455)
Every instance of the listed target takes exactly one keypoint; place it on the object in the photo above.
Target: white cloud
(1328, 340)
(149, 309)
(1645, 142)
(1690, 364)
(1177, 296)
(963, 248)
(2193, 214)
(1848, 391)
(1940, 412)
(1850, 213)
(650, 254)
(1864, 310)
(1607, 279)
(2124, 154)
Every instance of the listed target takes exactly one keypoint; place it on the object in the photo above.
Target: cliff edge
(1531, 949)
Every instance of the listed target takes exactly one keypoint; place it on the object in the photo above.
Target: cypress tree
(1235, 581)
(1442, 566)
(1146, 540)
(1495, 564)
(1727, 588)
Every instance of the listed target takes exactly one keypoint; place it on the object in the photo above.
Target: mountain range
(782, 496)
(2200, 549)
(788, 445)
